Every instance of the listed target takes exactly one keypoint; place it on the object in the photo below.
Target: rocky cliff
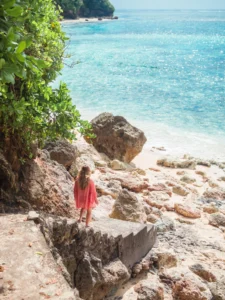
(73, 9)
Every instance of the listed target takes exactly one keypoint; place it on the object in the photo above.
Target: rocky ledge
(182, 197)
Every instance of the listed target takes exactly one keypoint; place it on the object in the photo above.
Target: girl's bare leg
(88, 216)
(81, 214)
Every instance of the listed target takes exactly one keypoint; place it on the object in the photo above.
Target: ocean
(162, 70)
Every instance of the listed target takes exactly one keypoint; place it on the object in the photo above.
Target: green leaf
(2, 62)
(21, 47)
(8, 3)
(7, 77)
(15, 11)
(20, 57)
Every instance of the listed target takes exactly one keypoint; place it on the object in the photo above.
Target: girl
(85, 194)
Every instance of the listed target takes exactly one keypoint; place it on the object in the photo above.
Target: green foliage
(86, 8)
(31, 54)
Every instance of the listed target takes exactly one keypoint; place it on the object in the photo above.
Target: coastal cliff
(73, 9)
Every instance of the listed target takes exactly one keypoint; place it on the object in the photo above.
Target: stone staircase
(135, 240)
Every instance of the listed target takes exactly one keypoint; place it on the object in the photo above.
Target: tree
(31, 55)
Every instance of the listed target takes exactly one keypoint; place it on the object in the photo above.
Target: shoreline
(84, 20)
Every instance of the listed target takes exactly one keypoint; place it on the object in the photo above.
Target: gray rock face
(46, 185)
(89, 259)
(128, 208)
(62, 152)
(116, 137)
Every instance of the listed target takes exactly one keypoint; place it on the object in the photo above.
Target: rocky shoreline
(183, 197)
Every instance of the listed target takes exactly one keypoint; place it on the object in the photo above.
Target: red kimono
(85, 198)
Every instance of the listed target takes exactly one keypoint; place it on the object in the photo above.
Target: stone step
(135, 239)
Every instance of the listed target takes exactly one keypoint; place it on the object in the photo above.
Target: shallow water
(163, 70)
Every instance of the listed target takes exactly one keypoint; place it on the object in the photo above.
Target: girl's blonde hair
(84, 177)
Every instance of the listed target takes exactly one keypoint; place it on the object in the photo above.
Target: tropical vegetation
(32, 46)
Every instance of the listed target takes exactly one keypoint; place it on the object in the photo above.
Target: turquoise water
(163, 70)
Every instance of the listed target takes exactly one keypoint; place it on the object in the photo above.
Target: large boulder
(62, 152)
(128, 207)
(47, 186)
(116, 137)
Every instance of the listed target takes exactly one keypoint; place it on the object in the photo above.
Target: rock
(213, 184)
(116, 137)
(165, 224)
(137, 268)
(215, 194)
(204, 163)
(100, 19)
(218, 289)
(166, 258)
(210, 208)
(117, 165)
(203, 272)
(128, 181)
(180, 173)
(47, 186)
(32, 216)
(62, 152)
(157, 199)
(152, 218)
(149, 290)
(128, 208)
(115, 18)
(81, 161)
(114, 274)
(179, 190)
(101, 164)
(222, 178)
(187, 211)
(160, 187)
(185, 289)
(188, 179)
(177, 163)
(217, 219)
(201, 173)
(111, 188)
(140, 171)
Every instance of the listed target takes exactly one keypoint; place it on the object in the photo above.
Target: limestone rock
(188, 179)
(166, 258)
(160, 187)
(149, 290)
(203, 272)
(217, 219)
(218, 289)
(128, 208)
(32, 216)
(117, 165)
(210, 208)
(165, 224)
(201, 173)
(213, 184)
(185, 289)
(157, 199)
(187, 211)
(83, 160)
(62, 152)
(180, 173)
(177, 163)
(214, 194)
(116, 137)
(46, 185)
(180, 190)
(111, 188)
(128, 181)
